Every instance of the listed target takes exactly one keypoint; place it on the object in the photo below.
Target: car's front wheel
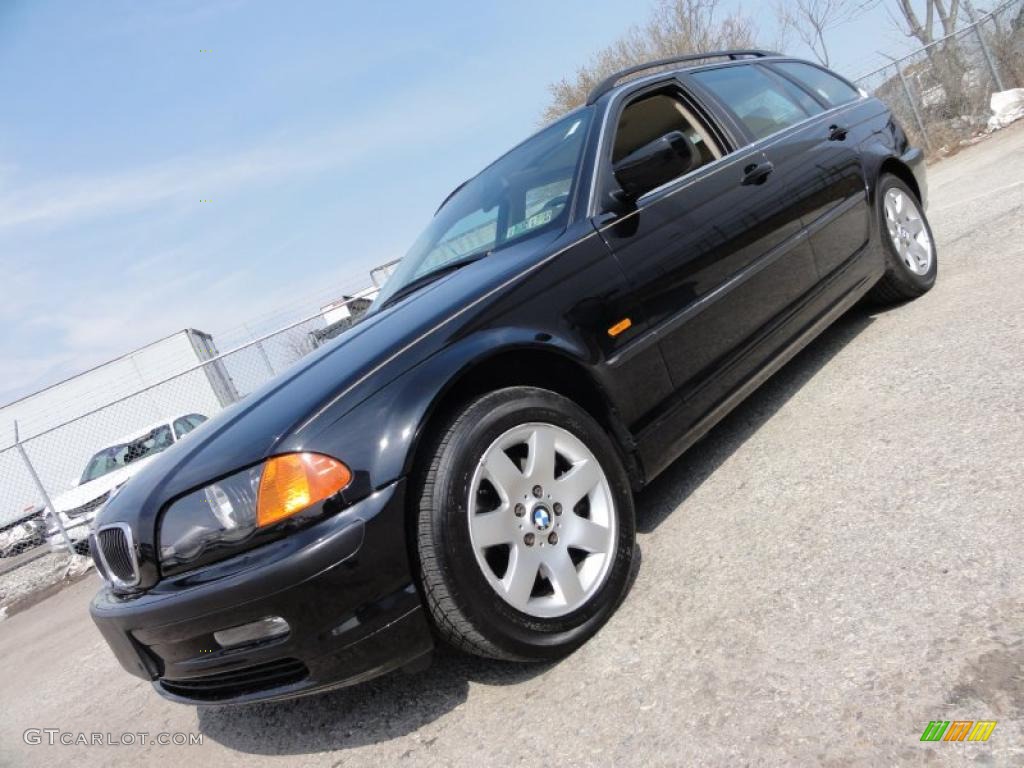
(525, 528)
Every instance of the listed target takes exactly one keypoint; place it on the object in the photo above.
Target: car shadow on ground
(673, 486)
(399, 704)
(379, 710)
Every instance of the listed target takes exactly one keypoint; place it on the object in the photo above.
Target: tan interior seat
(649, 118)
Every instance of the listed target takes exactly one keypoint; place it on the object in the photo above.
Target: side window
(182, 427)
(827, 86)
(661, 123)
(763, 103)
(651, 117)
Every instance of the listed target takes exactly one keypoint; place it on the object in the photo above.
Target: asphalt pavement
(837, 564)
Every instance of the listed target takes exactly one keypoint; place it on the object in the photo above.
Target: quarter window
(763, 103)
(825, 85)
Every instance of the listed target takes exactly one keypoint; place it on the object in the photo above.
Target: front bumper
(343, 585)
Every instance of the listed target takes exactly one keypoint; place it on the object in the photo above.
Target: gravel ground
(838, 563)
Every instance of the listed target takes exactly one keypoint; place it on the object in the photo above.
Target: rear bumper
(343, 585)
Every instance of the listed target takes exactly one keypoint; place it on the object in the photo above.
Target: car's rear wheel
(525, 528)
(911, 262)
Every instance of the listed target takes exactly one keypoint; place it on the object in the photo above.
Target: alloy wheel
(541, 520)
(907, 231)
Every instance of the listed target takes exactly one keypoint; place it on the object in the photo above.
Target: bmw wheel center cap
(541, 518)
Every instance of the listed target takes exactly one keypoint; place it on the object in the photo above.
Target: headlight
(227, 513)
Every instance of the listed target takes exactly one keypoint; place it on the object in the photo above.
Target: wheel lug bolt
(553, 538)
(528, 538)
(520, 510)
(538, 491)
(558, 508)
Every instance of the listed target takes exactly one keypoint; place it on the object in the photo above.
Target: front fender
(378, 436)
(888, 145)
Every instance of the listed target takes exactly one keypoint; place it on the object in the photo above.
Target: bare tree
(675, 27)
(934, 9)
(945, 58)
(812, 19)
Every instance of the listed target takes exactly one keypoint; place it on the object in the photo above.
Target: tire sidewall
(515, 632)
(914, 283)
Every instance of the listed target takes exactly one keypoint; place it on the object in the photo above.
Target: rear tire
(911, 263)
(540, 576)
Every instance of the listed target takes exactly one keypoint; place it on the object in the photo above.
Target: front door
(714, 255)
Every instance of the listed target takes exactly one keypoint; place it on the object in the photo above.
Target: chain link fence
(940, 93)
(57, 472)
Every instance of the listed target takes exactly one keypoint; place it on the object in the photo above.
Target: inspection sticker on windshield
(537, 220)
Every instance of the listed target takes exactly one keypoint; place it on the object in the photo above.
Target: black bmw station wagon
(459, 466)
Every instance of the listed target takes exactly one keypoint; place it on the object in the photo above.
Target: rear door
(818, 154)
(839, 221)
(714, 255)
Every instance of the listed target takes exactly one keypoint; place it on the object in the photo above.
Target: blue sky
(323, 133)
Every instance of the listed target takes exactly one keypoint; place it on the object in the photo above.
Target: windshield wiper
(436, 274)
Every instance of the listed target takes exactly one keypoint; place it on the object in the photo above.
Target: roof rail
(609, 82)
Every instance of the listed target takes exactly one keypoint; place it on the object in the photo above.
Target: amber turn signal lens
(620, 327)
(295, 481)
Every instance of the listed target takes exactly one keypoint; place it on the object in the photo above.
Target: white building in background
(161, 380)
(343, 308)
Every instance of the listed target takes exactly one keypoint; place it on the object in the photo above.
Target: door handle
(757, 173)
(837, 133)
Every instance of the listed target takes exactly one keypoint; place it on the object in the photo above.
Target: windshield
(522, 194)
(117, 456)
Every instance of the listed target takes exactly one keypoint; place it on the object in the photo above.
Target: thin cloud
(192, 178)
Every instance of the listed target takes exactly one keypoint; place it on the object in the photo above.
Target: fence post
(984, 47)
(913, 108)
(42, 491)
(266, 358)
(262, 351)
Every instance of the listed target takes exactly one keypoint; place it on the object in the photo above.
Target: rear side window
(825, 85)
(763, 103)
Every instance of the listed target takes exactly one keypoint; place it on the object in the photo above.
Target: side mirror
(73, 483)
(655, 163)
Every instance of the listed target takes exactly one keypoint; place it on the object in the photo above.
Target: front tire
(911, 263)
(525, 527)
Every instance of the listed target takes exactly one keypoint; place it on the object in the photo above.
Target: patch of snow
(1007, 106)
